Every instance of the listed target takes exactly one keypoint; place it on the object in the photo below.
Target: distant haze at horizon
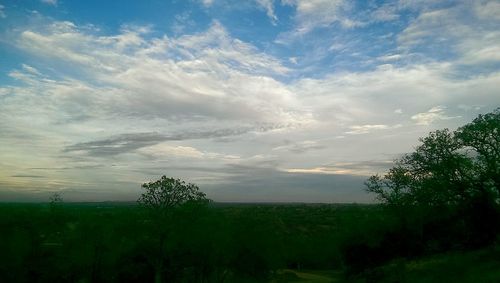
(259, 101)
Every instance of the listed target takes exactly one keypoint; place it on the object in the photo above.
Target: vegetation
(438, 220)
(448, 168)
(444, 196)
(166, 194)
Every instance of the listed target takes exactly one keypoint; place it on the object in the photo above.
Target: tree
(165, 194)
(55, 206)
(482, 136)
(55, 199)
(436, 173)
(452, 173)
(161, 198)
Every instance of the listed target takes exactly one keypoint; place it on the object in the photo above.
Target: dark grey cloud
(129, 142)
(67, 167)
(363, 166)
(117, 144)
(27, 176)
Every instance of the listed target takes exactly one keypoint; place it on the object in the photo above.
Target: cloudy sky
(255, 100)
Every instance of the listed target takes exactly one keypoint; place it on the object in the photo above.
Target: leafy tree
(55, 200)
(437, 173)
(56, 210)
(452, 179)
(447, 167)
(166, 194)
(482, 137)
(162, 198)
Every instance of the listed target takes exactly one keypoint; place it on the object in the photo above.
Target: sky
(255, 100)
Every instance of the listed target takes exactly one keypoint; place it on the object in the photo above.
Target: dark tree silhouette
(167, 193)
(482, 136)
(447, 167)
(437, 173)
(453, 173)
(55, 199)
(161, 198)
(55, 206)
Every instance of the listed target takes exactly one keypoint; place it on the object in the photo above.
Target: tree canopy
(168, 193)
(448, 167)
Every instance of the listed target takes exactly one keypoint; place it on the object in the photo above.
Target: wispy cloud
(474, 41)
(267, 5)
(432, 115)
(365, 129)
(360, 168)
(2, 12)
(386, 12)
(129, 142)
(128, 104)
(50, 2)
(207, 3)
(300, 147)
(314, 14)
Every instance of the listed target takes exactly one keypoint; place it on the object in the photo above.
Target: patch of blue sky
(160, 16)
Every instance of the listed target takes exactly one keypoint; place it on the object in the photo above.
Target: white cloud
(434, 114)
(31, 70)
(2, 12)
(131, 83)
(390, 57)
(364, 129)
(293, 60)
(207, 3)
(473, 37)
(384, 13)
(318, 13)
(351, 102)
(318, 170)
(50, 2)
(488, 10)
(4, 91)
(360, 168)
(300, 147)
(225, 75)
(134, 82)
(167, 150)
(268, 6)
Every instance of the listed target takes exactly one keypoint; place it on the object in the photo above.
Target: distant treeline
(229, 243)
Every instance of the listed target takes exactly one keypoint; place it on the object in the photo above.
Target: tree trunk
(159, 263)
(158, 278)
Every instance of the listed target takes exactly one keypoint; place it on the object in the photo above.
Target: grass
(308, 276)
(458, 267)
(480, 266)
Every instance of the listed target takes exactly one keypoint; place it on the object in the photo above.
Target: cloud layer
(95, 113)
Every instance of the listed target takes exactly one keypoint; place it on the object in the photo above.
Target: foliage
(468, 267)
(167, 193)
(163, 198)
(114, 242)
(56, 201)
(437, 173)
(482, 136)
(447, 168)
(443, 196)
